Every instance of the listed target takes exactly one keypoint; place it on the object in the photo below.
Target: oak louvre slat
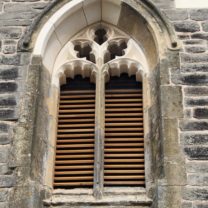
(74, 160)
(124, 136)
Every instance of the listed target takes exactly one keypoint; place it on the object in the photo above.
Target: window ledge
(114, 196)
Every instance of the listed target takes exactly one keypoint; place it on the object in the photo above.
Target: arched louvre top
(62, 26)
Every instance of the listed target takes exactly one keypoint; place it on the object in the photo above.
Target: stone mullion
(99, 136)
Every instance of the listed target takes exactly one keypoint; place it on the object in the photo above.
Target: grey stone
(7, 181)
(8, 87)
(189, 125)
(195, 49)
(187, 26)
(195, 193)
(194, 42)
(190, 79)
(6, 101)
(9, 49)
(4, 139)
(194, 139)
(194, 67)
(11, 59)
(16, 22)
(205, 26)
(171, 101)
(201, 113)
(10, 32)
(203, 36)
(192, 58)
(196, 91)
(196, 153)
(4, 127)
(4, 194)
(8, 72)
(176, 14)
(183, 37)
(199, 14)
(197, 167)
(197, 179)
(196, 101)
(4, 205)
(5, 170)
(186, 204)
(4, 153)
(200, 205)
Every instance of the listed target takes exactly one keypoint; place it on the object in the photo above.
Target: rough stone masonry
(191, 26)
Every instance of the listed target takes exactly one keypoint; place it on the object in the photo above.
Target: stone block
(7, 87)
(195, 193)
(203, 36)
(196, 91)
(4, 205)
(7, 181)
(197, 179)
(4, 127)
(4, 139)
(187, 26)
(199, 14)
(205, 26)
(200, 205)
(4, 153)
(186, 204)
(10, 33)
(4, 194)
(194, 139)
(197, 167)
(176, 14)
(196, 101)
(194, 67)
(171, 101)
(7, 101)
(10, 59)
(5, 170)
(7, 114)
(8, 72)
(9, 49)
(190, 79)
(189, 125)
(195, 49)
(197, 153)
(194, 42)
(201, 113)
(193, 58)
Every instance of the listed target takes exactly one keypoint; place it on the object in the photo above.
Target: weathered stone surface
(195, 193)
(199, 14)
(205, 26)
(4, 205)
(4, 139)
(4, 127)
(171, 101)
(8, 72)
(193, 58)
(187, 26)
(189, 125)
(195, 49)
(194, 42)
(6, 101)
(190, 79)
(7, 33)
(7, 114)
(200, 205)
(9, 49)
(7, 181)
(194, 139)
(8, 87)
(10, 59)
(4, 194)
(197, 153)
(196, 91)
(203, 36)
(176, 14)
(201, 113)
(4, 169)
(194, 67)
(197, 167)
(186, 204)
(4, 153)
(196, 101)
(197, 179)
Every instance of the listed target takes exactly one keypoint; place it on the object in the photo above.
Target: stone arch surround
(161, 50)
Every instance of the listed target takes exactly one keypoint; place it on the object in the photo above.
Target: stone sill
(112, 196)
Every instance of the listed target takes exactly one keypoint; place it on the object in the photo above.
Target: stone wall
(191, 27)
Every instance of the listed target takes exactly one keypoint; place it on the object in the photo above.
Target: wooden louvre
(74, 161)
(124, 137)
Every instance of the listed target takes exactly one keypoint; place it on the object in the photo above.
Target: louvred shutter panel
(124, 137)
(74, 160)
